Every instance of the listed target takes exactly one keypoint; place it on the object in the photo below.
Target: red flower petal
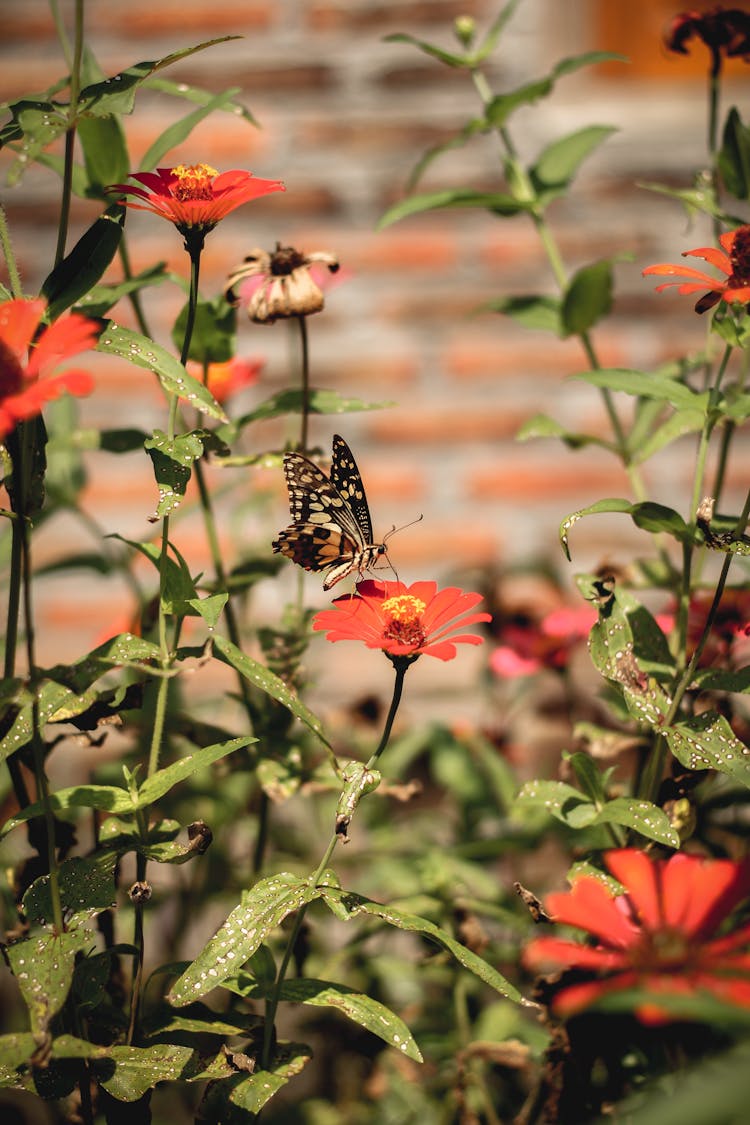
(549, 951)
(638, 876)
(590, 906)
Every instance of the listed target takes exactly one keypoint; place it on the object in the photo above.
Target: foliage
(193, 821)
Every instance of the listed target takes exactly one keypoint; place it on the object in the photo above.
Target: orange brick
(545, 480)
(445, 426)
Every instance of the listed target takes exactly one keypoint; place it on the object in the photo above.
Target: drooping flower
(28, 358)
(659, 936)
(725, 31)
(282, 284)
(733, 260)
(194, 197)
(225, 379)
(403, 621)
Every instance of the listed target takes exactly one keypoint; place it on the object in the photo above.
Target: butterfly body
(331, 528)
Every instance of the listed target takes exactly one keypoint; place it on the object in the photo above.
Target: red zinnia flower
(724, 31)
(660, 935)
(225, 379)
(27, 360)
(733, 260)
(194, 197)
(403, 620)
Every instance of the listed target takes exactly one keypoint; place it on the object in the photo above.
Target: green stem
(22, 493)
(14, 276)
(305, 381)
(70, 135)
(194, 247)
(135, 297)
(688, 549)
(401, 664)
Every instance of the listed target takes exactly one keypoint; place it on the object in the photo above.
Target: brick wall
(344, 115)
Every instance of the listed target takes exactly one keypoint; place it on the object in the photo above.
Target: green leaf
(355, 906)
(43, 967)
(477, 125)
(713, 679)
(15, 1050)
(117, 94)
(542, 426)
(502, 106)
(643, 816)
(500, 203)
(734, 156)
(531, 311)
(645, 384)
(250, 1093)
(156, 786)
(214, 330)
(561, 801)
(683, 421)
(262, 909)
(447, 57)
(587, 299)
(87, 886)
(320, 402)
(80, 270)
(100, 298)
(172, 461)
(181, 130)
(356, 1006)
(707, 741)
(210, 608)
(587, 775)
(107, 798)
(105, 153)
(647, 515)
(138, 1069)
(258, 675)
(36, 124)
(198, 96)
(559, 162)
(179, 588)
(141, 351)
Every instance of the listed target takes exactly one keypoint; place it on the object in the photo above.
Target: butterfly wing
(348, 483)
(324, 531)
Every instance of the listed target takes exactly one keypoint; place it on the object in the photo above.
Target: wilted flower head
(658, 936)
(725, 31)
(194, 197)
(284, 283)
(28, 357)
(733, 260)
(404, 621)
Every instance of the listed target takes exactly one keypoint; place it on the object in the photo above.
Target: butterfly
(331, 528)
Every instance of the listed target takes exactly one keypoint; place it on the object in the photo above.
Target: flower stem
(305, 379)
(70, 135)
(401, 664)
(14, 277)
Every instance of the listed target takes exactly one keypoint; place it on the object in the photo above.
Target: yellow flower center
(404, 608)
(193, 181)
(405, 613)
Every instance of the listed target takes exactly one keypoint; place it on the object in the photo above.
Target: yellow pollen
(404, 608)
(194, 181)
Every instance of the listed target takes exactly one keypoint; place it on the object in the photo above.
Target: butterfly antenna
(394, 529)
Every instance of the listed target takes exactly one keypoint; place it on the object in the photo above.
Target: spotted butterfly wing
(331, 528)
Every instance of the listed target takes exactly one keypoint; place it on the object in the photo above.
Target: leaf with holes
(707, 741)
(262, 909)
(356, 905)
(560, 800)
(43, 966)
(643, 816)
